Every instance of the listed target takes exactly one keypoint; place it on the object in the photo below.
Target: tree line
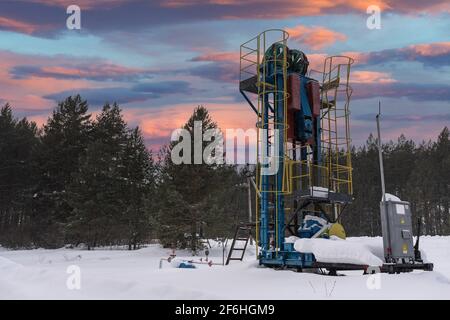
(418, 173)
(91, 180)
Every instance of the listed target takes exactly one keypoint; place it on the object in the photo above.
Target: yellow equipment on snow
(337, 230)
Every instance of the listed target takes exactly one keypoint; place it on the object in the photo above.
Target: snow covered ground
(121, 274)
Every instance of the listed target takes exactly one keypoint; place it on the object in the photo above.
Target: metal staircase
(241, 236)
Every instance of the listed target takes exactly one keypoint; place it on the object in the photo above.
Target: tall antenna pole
(380, 154)
(249, 184)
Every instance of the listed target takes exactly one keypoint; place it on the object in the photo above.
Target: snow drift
(338, 251)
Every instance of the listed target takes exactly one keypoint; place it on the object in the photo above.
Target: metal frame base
(299, 261)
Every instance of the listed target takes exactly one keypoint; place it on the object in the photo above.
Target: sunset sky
(160, 59)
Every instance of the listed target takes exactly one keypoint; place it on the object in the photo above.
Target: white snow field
(121, 274)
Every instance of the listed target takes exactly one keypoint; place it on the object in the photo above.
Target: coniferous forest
(90, 180)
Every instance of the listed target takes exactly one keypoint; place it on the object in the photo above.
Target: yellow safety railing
(307, 175)
(335, 116)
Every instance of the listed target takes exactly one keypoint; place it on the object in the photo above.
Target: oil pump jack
(304, 173)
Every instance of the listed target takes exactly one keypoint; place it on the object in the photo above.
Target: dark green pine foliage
(139, 178)
(197, 197)
(188, 187)
(442, 196)
(442, 166)
(18, 140)
(418, 174)
(362, 217)
(111, 193)
(429, 185)
(97, 190)
(63, 143)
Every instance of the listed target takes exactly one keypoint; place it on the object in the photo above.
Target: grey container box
(396, 226)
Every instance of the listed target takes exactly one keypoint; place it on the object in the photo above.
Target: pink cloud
(371, 77)
(25, 93)
(436, 54)
(315, 37)
(217, 56)
(265, 9)
(282, 9)
(93, 71)
(419, 6)
(158, 124)
(173, 11)
(289, 8)
(417, 131)
(316, 61)
(83, 4)
(16, 25)
(40, 120)
(430, 49)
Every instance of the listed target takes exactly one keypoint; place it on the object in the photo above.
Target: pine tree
(18, 140)
(443, 161)
(64, 140)
(441, 194)
(139, 176)
(200, 197)
(112, 191)
(96, 192)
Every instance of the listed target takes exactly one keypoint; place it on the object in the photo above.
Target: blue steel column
(265, 183)
(279, 107)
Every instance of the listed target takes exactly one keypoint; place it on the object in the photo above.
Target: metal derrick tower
(303, 141)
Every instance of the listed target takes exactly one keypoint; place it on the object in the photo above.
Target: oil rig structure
(304, 169)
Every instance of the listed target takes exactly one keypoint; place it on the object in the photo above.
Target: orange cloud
(158, 124)
(25, 93)
(83, 4)
(359, 57)
(315, 37)
(218, 56)
(420, 6)
(16, 25)
(289, 8)
(371, 77)
(432, 49)
(316, 61)
(282, 8)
